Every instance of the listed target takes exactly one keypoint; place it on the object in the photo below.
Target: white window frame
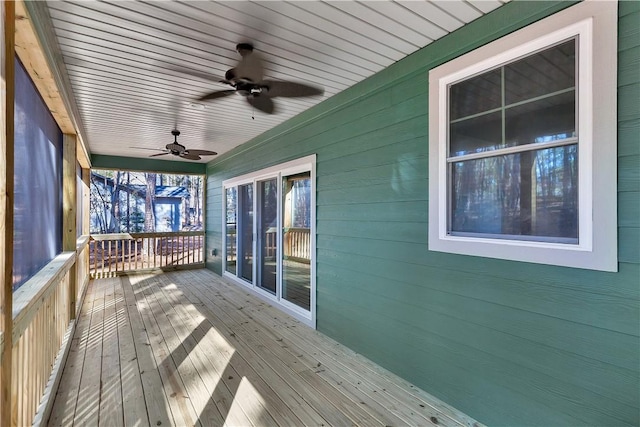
(304, 164)
(595, 25)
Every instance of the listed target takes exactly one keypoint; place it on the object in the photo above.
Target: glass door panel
(245, 230)
(231, 228)
(296, 239)
(267, 234)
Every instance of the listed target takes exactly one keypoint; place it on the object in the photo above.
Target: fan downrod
(176, 148)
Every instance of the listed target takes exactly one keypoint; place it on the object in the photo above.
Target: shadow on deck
(187, 348)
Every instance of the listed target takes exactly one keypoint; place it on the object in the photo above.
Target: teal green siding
(99, 161)
(508, 343)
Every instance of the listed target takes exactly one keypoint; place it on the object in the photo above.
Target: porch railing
(114, 254)
(297, 244)
(42, 324)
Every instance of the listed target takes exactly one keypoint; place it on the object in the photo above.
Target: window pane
(545, 72)
(231, 214)
(296, 240)
(268, 234)
(526, 194)
(544, 120)
(475, 95)
(246, 231)
(476, 135)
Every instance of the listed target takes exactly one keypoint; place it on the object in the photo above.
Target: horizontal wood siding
(509, 343)
(213, 237)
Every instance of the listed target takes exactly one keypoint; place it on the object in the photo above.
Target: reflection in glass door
(231, 228)
(267, 234)
(245, 231)
(296, 239)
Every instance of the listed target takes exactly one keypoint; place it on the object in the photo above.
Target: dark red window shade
(37, 235)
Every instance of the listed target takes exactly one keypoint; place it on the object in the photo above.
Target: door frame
(304, 164)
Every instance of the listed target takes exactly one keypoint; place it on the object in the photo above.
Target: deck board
(158, 412)
(111, 411)
(87, 412)
(133, 401)
(189, 348)
(67, 394)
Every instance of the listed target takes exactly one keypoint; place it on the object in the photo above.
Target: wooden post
(69, 217)
(86, 193)
(7, 96)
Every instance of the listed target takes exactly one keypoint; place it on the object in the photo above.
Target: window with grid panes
(522, 144)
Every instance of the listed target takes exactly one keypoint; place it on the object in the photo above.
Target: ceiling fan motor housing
(175, 148)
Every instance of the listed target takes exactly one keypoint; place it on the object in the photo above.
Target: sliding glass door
(245, 231)
(269, 238)
(231, 229)
(267, 235)
(296, 239)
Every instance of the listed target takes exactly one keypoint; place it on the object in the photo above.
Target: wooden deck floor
(187, 348)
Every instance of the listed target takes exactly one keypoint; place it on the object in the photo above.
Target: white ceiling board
(485, 6)
(318, 39)
(389, 27)
(392, 46)
(437, 16)
(460, 9)
(405, 16)
(136, 68)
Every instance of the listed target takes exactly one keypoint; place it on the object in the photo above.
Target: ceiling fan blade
(217, 94)
(159, 154)
(291, 89)
(262, 103)
(201, 152)
(189, 156)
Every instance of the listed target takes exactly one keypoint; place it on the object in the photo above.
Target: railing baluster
(141, 251)
(102, 258)
(94, 266)
(173, 249)
(180, 250)
(166, 248)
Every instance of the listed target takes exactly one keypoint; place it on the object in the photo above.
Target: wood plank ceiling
(137, 68)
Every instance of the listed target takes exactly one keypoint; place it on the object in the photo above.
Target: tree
(150, 199)
(115, 204)
(187, 216)
(196, 198)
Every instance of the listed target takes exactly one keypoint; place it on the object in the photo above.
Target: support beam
(69, 209)
(7, 95)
